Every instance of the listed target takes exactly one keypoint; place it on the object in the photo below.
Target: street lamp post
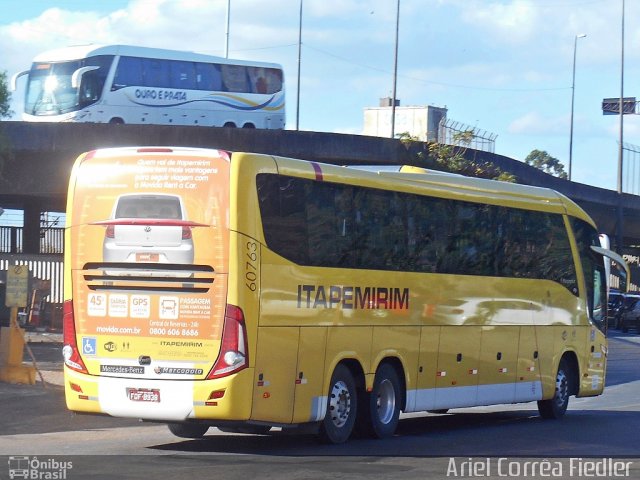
(299, 67)
(620, 210)
(573, 87)
(395, 74)
(226, 31)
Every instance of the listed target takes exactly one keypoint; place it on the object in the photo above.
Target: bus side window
(89, 89)
(234, 78)
(593, 271)
(208, 77)
(129, 73)
(183, 75)
(156, 73)
(257, 79)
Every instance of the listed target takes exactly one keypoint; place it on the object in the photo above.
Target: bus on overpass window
(129, 84)
(321, 296)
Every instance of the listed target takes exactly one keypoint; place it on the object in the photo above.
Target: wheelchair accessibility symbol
(89, 345)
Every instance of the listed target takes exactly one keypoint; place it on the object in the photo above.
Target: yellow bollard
(11, 353)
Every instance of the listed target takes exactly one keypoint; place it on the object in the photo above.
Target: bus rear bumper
(161, 400)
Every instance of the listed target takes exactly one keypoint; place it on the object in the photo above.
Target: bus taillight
(70, 353)
(233, 347)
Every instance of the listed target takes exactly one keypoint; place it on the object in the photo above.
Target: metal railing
(51, 240)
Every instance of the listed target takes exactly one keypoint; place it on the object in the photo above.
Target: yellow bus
(244, 291)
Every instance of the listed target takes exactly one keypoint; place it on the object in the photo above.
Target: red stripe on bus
(318, 171)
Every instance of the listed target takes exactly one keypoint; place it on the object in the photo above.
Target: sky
(502, 66)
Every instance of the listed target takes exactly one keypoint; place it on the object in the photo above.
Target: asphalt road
(597, 435)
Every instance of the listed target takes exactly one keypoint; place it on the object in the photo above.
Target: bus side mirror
(14, 79)
(77, 75)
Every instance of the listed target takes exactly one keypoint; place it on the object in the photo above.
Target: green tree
(545, 162)
(5, 96)
(451, 158)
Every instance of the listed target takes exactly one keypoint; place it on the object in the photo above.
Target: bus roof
(77, 52)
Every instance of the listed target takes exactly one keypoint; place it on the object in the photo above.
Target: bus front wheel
(341, 407)
(188, 430)
(556, 407)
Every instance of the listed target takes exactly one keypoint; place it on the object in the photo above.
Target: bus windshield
(50, 90)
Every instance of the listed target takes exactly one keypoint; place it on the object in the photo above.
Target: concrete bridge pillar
(31, 231)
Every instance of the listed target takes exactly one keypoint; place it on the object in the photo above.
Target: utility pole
(395, 75)
(226, 32)
(619, 230)
(573, 88)
(299, 66)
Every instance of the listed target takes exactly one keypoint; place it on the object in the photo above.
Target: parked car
(630, 316)
(614, 308)
(148, 228)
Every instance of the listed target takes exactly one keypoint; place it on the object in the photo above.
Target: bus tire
(384, 402)
(248, 125)
(229, 125)
(556, 407)
(116, 121)
(342, 408)
(188, 430)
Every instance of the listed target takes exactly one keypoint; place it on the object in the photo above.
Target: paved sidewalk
(47, 349)
(42, 337)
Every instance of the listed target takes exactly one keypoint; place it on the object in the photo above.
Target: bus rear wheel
(341, 407)
(384, 402)
(188, 430)
(556, 407)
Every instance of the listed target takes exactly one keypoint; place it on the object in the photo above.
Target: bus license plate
(147, 257)
(144, 395)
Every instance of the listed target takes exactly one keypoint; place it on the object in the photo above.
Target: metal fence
(51, 240)
(46, 303)
(451, 132)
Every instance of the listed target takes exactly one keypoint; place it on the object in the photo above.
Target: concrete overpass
(36, 159)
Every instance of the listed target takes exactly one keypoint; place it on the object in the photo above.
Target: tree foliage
(451, 158)
(5, 96)
(545, 162)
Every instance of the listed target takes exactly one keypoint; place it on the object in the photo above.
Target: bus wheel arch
(379, 410)
(346, 381)
(249, 125)
(116, 121)
(229, 125)
(566, 384)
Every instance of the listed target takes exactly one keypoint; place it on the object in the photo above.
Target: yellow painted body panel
(458, 368)
(401, 342)
(498, 361)
(275, 374)
(593, 382)
(310, 375)
(528, 365)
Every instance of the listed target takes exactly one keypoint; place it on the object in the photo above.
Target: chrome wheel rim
(339, 404)
(385, 401)
(562, 388)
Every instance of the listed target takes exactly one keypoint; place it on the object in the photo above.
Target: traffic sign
(17, 286)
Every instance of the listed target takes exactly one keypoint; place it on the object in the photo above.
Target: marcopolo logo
(38, 469)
